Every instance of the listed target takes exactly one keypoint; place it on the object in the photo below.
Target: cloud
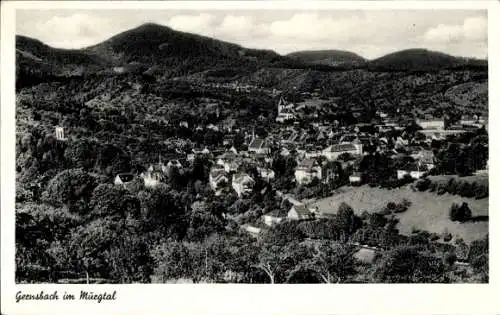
(73, 31)
(369, 33)
(317, 27)
(472, 29)
(200, 24)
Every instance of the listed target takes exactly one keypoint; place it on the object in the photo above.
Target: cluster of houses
(314, 146)
(299, 211)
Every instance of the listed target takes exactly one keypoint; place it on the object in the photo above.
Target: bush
(461, 214)
(447, 237)
(434, 237)
(442, 188)
(391, 206)
(423, 184)
(481, 191)
(384, 211)
(452, 186)
(432, 186)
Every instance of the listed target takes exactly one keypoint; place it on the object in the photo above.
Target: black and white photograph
(256, 147)
(251, 146)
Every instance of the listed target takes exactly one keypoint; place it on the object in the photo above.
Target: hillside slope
(421, 59)
(327, 57)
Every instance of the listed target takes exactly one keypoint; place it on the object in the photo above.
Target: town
(286, 174)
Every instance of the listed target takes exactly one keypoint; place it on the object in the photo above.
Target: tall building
(286, 111)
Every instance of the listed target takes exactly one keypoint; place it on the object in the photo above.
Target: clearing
(429, 211)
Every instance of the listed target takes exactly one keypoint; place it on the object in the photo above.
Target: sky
(369, 33)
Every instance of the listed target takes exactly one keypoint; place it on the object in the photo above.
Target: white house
(355, 178)
(286, 111)
(415, 170)
(252, 230)
(267, 174)
(60, 133)
(431, 124)
(154, 175)
(271, 220)
(242, 184)
(307, 170)
(334, 151)
(259, 146)
(123, 178)
(217, 178)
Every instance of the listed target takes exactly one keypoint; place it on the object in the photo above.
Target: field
(479, 179)
(429, 211)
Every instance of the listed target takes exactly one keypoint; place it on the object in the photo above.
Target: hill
(421, 59)
(428, 211)
(328, 57)
(156, 44)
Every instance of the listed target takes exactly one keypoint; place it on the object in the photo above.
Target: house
(285, 152)
(307, 170)
(286, 111)
(425, 157)
(217, 178)
(229, 160)
(355, 178)
(432, 134)
(213, 127)
(228, 140)
(271, 220)
(252, 230)
(259, 146)
(267, 174)
(334, 151)
(154, 175)
(60, 133)
(174, 164)
(123, 178)
(415, 170)
(300, 212)
(242, 184)
(431, 124)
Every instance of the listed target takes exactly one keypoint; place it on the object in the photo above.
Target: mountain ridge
(162, 51)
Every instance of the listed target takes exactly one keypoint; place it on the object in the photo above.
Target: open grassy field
(428, 211)
(480, 179)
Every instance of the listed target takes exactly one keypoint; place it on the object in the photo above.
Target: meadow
(428, 211)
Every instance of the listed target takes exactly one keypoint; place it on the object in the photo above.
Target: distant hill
(157, 45)
(165, 53)
(327, 57)
(421, 59)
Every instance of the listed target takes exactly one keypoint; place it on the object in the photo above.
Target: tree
(279, 262)
(479, 256)
(81, 154)
(109, 199)
(409, 264)
(72, 187)
(346, 219)
(332, 262)
(174, 260)
(460, 213)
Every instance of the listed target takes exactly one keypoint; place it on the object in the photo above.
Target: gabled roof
(125, 177)
(256, 143)
(216, 172)
(242, 178)
(307, 163)
(302, 211)
(341, 147)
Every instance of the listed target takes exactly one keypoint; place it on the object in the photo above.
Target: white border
(251, 299)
